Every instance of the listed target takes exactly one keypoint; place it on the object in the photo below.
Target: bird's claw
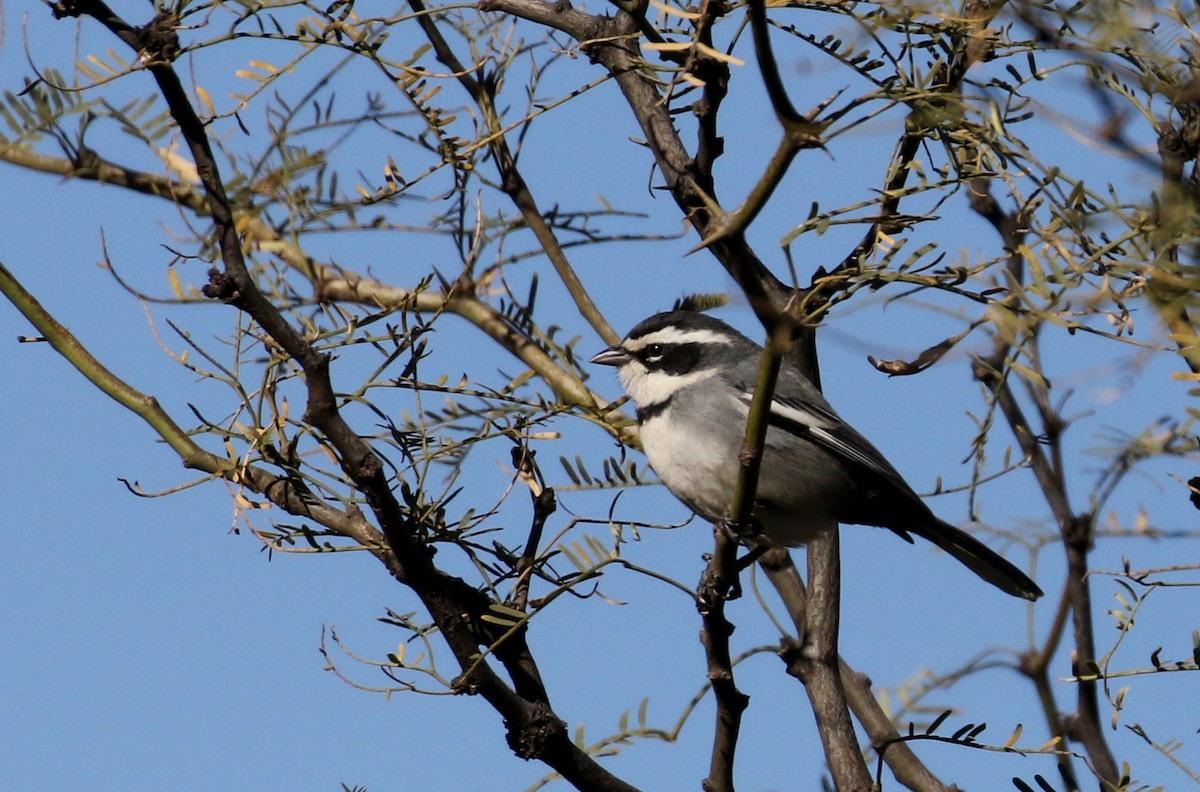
(748, 530)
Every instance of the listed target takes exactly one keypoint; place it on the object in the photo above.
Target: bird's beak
(613, 356)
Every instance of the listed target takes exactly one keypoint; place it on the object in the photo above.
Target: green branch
(144, 406)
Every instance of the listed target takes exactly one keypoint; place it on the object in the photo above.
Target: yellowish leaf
(673, 11)
(1053, 742)
(718, 55)
(667, 46)
(1029, 374)
(92, 73)
(206, 100)
(176, 286)
(182, 166)
(101, 64)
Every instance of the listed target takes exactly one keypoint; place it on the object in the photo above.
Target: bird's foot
(748, 530)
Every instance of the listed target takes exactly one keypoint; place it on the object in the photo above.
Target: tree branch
(719, 577)
(905, 765)
(1076, 530)
(534, 731)
(483, 92)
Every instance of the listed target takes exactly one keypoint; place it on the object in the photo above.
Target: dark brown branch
(612, 43)
(715, 76)
(544, 505)
(534, 731)
(1076, 530)
(767, 66)
(1171, 293)
(483, 92)
(970, 48)
(815, 663)
(904, 764)
(1036, 666)
(814, 659)
(87, 164)
(719, 578)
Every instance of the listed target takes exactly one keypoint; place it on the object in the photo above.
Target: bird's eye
(654, 352)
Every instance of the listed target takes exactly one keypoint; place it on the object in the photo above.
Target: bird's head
(673, 350)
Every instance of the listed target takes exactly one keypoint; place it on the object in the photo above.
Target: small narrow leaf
(1052, 742)
(1043, 783)
(937, 722)
(582, 469)
(206, 100)
(565, 550)
(173, 280)
(566, 463)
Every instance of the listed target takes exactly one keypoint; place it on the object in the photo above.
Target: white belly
(706, 478)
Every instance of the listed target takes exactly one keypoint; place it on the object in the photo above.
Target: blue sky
(148, 646)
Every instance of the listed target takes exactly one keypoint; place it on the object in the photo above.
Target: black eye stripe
(669, 358)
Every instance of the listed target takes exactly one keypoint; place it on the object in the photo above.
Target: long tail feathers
(979, 558)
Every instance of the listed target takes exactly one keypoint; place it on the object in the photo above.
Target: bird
(692, 378)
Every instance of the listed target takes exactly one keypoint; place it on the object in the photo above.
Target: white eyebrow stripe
(673, 335)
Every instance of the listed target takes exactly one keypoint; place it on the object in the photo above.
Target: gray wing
(885, 498)
(807, 415)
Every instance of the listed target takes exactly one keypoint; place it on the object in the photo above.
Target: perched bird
(692, 379)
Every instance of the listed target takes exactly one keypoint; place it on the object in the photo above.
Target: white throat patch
(648, 388)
